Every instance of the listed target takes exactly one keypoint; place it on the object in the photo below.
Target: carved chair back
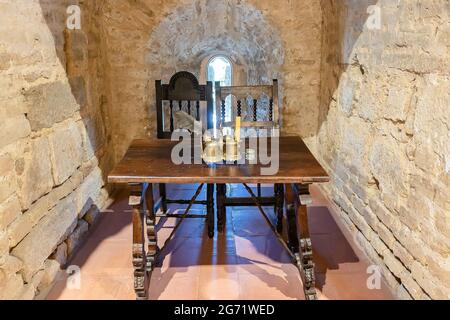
(183, 93)
(258, 106)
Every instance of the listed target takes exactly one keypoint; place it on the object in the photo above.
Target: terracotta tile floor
(246, 262)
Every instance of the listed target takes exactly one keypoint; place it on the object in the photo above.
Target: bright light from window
(220, 70)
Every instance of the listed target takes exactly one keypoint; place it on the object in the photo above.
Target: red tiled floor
(246, 262)
(270, 287)
(249, 222)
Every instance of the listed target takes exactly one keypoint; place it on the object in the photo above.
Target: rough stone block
(13, 129)
(23, 224)
(402, 293)
(379, 246)
(356, 142)
(412, 243)
(361, 190)
(89, 190)
(442, 198)
(12, 265)
(397, 103)
(66, 154)
(37, 278)
(48, 233)
(386, 216)
(70, 230)
(426, 158)
(368, 248)
(4, 246)
(359, 221)
(385, 235)
(34, 172)
(430, 284)
(49, 103)
(442, 218)
(11, 287)
(27, 293)
(60, 254)
(368, 215)
(393, 264)
(68, 187)
(409, 214)
(9, 211)
(346, 97)
(5, 61)
(92, 215)
(413, 288)
(438, 245)
(76, 238)
(367, 107)
(8, 181)
(438, 268)
(390, 166)
(391, 281)
(51, 271)
(405, 257)
(103, 198)
(89, 166)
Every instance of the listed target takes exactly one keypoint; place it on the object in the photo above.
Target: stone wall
(270, 38)
(52, 141)
(385, 136)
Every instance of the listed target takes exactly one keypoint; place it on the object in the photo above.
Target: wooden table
(148, 162)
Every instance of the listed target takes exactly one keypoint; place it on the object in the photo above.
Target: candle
(237, 132)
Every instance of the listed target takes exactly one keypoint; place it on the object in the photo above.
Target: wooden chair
(184, 93)
(258, 106)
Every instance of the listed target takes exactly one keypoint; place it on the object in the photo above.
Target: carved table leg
(151, 229)
(297, 199)
(140, 278)
(279, 206)
(210, 209)
(221, 209)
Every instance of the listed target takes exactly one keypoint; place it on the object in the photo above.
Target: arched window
(220, 69)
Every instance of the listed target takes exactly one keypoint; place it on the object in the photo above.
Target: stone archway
(197, 30)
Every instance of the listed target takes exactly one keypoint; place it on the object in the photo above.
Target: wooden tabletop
(149, 161)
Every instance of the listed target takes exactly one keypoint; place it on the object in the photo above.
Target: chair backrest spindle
(171, 116)
(239, 108)
(197, 105)
(255, 110)
(223, 111)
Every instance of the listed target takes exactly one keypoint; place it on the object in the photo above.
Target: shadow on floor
(245, 262)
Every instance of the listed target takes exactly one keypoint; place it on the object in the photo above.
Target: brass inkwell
(212, 147)
(219, 147)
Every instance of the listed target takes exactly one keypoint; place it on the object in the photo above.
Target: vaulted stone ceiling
(198, 29)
